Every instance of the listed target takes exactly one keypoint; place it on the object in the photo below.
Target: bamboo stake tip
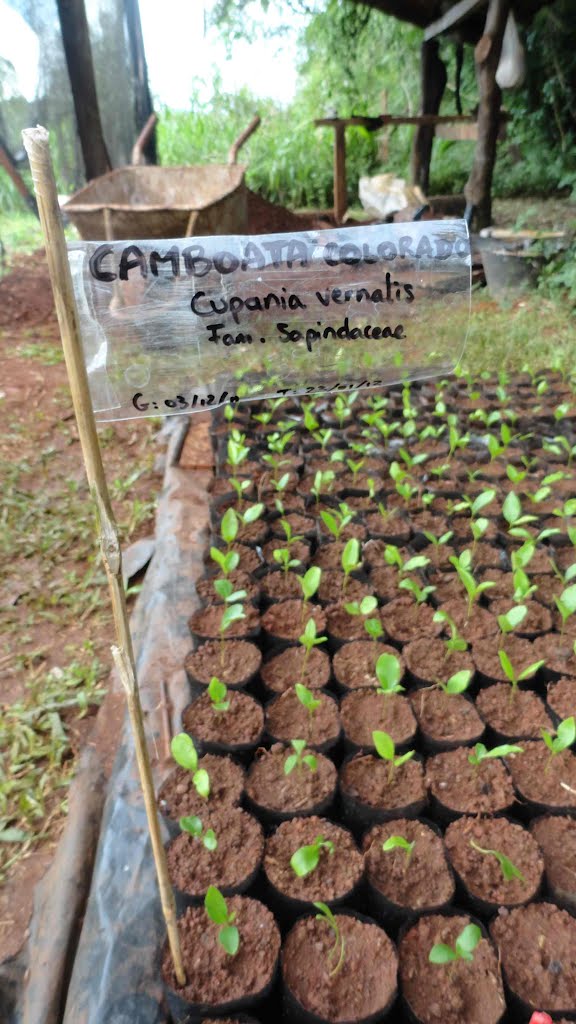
(33, 137)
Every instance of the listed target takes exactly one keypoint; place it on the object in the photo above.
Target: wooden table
(373, 124)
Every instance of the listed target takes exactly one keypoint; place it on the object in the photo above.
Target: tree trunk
(143, 107)
(478, 190)
(433, 82)
(76, 40)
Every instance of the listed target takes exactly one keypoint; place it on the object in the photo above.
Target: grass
(533, 332)
(36, 765)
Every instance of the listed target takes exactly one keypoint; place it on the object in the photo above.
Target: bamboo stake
(38, 150)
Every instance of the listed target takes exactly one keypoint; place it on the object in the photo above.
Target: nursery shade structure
(480, 23)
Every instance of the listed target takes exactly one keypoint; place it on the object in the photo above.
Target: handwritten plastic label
(176, 326)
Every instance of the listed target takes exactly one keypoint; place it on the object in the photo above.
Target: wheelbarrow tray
(161, 202)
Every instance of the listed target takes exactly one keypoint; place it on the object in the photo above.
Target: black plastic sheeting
(115, 977)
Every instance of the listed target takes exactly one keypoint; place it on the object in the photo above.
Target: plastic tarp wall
(52, 104)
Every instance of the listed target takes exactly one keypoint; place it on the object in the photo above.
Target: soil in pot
(482, 876)
(230, 867)
(522, 653)
(561, 698)
(446, 720)
(372, 790)
(365, 985)
(542, 779)
(414, 882)
(205, 624)
(331, 587)
(556, 837)
(276, 795)
(286, 620)
(463, 788)
(337, 873)
(214, 978)
(239, 580)
(513, 714)
(178, 797)
(536, 946)
(287, 717)
(342, 627)
(364, 711)
(237, 727)
(392, 528)
(537, 620)
(461, 992)
(404, 620)
(281, 586)
(475, 627)
(430, 661)
(235, 664)
(354, 665)
(291, 666)
(558, 653)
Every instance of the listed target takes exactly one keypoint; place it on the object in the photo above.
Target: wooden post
(340, 191)
(433, 79)
(38, 149)
(487, 56)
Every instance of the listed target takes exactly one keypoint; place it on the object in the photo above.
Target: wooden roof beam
(457, 13)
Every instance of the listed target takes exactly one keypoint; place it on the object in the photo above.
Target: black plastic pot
(295, 1013)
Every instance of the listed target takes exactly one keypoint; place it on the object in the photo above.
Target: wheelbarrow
(164, 202)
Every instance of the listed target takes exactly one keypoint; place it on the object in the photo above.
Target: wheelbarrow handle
(138, 148)
(242, 138)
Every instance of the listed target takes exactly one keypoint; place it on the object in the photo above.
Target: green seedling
(291, 538)
(236, 450)
(386, 749)
(193, 826)
(508, 869)
(420, 594)
(463, 948)
(323, 436)
(515, 677)
(252, 513)
(365, 608)
(389, 674)
(306, 859)
(458, 683)
(309, 584)
(564, 738)
(336, 954)
(475, 505)
(354, 468)
(323, 483)
(225, 591)
(511, 620)
(310, 421)
(566, 604)
(343, 407)
(229, 527)
(299, 759)
(239, 487)
(480, 753)
(463, 565)
(218, 692)
(438, 542)
(411, 461)
(227, 561)
(217, 910)
(284, 559)
(185, 754)
(337, 521)
(307, 698)
(351, 560)
(280, 484)
(512, 512)
(232, 613)
(393, 556)
(310, 639)
(523, 589)
(399, 843)
(561, 444)
(455, 642)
